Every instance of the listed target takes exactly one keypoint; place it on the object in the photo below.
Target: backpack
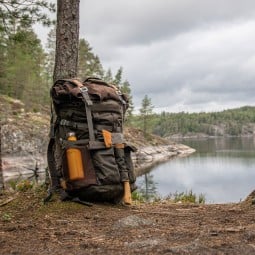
(92, 113)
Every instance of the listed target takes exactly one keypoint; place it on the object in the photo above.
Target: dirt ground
(27, 226)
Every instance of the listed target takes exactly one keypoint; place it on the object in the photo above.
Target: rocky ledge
(24, 139)
(146, 157)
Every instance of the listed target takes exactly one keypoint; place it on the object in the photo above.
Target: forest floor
(27, 226)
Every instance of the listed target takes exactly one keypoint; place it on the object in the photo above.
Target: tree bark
(67, 39)
(1, 167)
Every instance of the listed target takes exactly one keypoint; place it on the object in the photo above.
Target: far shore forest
(26, 69)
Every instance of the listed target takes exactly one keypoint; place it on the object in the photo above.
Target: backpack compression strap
(88, 103)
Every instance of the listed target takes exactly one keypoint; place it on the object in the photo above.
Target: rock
(132, 221)
(148, 243)
(148, 156)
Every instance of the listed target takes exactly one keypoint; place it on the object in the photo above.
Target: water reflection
(221, 169)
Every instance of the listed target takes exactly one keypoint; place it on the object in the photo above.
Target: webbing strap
(52, 124)
(51, 165)
(119, 93)
(76, 125)
(88, 103)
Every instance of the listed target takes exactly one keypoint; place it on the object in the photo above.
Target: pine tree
(18, 71)
(15, 13)
(23, 67)
(125, 88)
(146, 112)
(88, 63)
(118, 77)
(108, 76)
(50, 56)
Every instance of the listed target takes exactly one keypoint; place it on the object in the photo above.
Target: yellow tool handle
(127, 193)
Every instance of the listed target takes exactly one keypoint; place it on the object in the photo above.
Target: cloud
(186, 55)
(143, 21)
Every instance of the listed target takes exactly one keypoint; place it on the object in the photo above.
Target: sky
(186, 55)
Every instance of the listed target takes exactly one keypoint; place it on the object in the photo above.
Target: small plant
(201, 199)
(12, 184)
(6, 217)
(142, 197)
(187, 197)
(24, 185)
(138, 196)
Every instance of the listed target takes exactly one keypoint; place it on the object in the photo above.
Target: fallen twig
(7, 201)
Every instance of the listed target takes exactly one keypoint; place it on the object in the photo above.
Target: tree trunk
(67, 39)
(1, 167)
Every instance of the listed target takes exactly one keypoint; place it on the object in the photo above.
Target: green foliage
(14, 13)
(187, 197)
(23, 68)
(232, 122)
(50, 58)
(138, 196)
(146, 115)
(108, 76)
(88, 63)
(124, 87)
(177, 197)
(24, 185)
(21, 185)
(26, 69)
(118, 76)
(12, 184)
(7, 217)
(201, 199)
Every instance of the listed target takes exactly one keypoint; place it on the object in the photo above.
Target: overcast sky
(186, 55)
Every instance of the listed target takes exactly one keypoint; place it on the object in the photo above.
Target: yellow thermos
(74, 160)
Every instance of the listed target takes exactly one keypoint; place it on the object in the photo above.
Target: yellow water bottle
(74, 160)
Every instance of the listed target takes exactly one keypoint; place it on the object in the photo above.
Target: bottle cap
(70, 134)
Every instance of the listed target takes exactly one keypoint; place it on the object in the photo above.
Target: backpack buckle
(83, 89)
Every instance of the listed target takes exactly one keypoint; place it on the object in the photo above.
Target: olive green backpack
(92, 111)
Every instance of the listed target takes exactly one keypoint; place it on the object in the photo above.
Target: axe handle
(127, 193)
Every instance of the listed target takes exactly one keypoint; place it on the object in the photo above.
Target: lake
(222, 169)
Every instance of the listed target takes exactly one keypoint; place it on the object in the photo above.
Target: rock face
(25, 138)
(24, 144)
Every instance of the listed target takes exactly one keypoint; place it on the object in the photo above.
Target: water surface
(222, 169)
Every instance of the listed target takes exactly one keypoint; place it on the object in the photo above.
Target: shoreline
(144, 160)
(148, 157)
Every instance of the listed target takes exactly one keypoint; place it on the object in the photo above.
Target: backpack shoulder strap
(51, 164)
(88, 103)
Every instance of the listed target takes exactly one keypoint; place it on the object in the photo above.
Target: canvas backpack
(92, 111)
